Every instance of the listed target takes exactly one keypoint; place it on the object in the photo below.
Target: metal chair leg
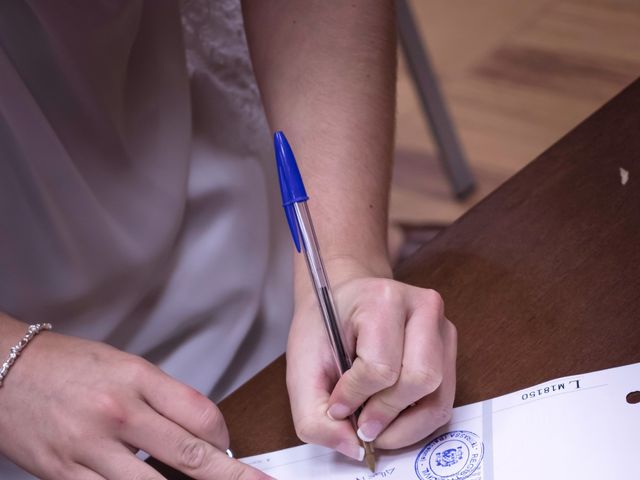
(451, 153)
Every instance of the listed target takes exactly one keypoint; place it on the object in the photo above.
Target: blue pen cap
(291, 186)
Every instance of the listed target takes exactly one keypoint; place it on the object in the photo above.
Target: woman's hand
(403, 373)
(75, 409)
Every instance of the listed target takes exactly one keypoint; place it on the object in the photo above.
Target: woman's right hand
(75, 409)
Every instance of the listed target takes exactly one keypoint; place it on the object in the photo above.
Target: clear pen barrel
(322, 287)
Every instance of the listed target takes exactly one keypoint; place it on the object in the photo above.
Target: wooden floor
(517, 75)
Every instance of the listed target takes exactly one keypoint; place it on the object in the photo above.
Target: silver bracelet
(15, 351)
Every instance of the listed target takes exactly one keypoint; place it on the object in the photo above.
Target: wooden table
(542, 278)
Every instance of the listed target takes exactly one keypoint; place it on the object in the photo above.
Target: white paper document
(583, 427)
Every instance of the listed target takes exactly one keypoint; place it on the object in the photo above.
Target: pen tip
(370, 456)
(371, 462)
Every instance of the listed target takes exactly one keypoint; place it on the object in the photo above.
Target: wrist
(12, 354)
(340, 269)
(11, 331)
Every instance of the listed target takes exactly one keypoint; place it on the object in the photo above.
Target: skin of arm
(326, 72)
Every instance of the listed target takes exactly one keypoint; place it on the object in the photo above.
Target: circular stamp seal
(453, 455)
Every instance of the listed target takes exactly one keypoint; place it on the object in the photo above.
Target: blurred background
(516, 76)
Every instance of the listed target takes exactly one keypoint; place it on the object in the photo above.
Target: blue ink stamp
(453, 455)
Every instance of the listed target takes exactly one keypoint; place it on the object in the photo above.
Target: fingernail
(338, 411)
(369, 431)
(351, 450)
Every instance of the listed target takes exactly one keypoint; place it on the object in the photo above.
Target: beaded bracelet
(15, 351)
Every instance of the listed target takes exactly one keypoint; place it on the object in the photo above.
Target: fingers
(178, 448)
(405, 355)
(422, 368)
(319, 429)
(424, 351)
(186, 407)
(431, 412)
(116, 462)
(380, 332)
(309, 388)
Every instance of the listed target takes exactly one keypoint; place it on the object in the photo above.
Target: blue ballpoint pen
(294, 201)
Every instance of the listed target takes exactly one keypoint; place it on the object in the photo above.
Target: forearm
(326, 72)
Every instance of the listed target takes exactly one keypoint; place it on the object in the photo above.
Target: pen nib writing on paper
(386, 473)
(294, 201)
